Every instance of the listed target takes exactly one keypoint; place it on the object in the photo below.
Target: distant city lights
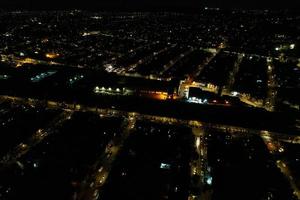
(52, 55)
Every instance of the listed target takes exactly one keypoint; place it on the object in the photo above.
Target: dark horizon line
(151, 6)
(139, 9)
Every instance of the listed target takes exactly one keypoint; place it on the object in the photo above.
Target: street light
(197, 142)
(292, 46)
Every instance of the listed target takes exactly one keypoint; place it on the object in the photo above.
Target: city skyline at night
(149, 100)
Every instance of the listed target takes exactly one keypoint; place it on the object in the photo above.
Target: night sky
(144, 4)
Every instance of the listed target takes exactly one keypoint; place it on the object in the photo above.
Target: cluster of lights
(285, 47)
(52, 55)
(165, 166)
(96, 17)
(203, 101)
(91, 33)
(76, 78)
(196, 100)
(41, 76)
(209, 180)
(109, 67)
(234, 93)
(26, 61)
(103, 89)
